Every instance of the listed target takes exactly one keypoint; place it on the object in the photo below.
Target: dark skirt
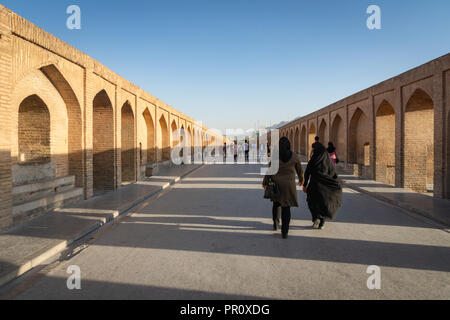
(324, 197)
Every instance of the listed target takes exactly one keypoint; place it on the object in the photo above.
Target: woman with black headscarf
(324, 191)
(289, 165)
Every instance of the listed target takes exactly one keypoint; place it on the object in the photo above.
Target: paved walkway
(211, 237)
(28, 245)
(436, 209)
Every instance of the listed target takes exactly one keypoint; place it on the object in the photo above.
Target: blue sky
(233, 64)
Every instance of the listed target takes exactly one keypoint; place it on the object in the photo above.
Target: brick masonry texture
(397, 132)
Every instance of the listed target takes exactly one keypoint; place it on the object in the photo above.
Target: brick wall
(359, 139)
(127, 145)
(410, 149)
(385, 144)
(89, 137)
(419, 142)
(323, 133)
(34, 131)
(338, 136)
(103, 142)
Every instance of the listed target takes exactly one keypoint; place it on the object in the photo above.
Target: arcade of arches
(396, 132)
(72, 128)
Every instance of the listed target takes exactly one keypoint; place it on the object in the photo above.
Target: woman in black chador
(324, 191)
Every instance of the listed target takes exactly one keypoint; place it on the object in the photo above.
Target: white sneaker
(316, 224)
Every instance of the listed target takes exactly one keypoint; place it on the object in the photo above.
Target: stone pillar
(118, 136)
(345, 124)
(439, 132)
(157, 138)
(447, 130)
(399, 138)
(89, 94)
(329, 124)
(137, 158)
(373, 146)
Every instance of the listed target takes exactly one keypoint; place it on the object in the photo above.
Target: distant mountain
(276, 126)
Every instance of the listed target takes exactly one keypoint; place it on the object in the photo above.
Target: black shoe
(284, 235)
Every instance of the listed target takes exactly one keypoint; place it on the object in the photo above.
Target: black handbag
(271, 191)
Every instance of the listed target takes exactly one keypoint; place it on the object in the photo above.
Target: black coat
(324, 190)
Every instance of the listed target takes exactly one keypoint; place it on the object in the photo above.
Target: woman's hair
(331, 148)
(285, 149)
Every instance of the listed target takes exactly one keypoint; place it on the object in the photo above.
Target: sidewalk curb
(95, 226)
(402, 205)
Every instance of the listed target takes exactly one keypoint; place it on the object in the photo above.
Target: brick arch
(37, 83)
(418, 168)
(296, 146)
(173, 129)
(34, 131)
(103, 142)
(190, 132)
(359, 139)
(163, 139)
(312, 133)
(75, 133)
(419, 89)
(385, 143)
(128, 152)
(323, 134)
(303, 142)
(338, 134)
(196, 139)
(38, 66)
(150, 136)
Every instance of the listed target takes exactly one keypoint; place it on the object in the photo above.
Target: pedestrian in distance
(332, 153)
(224, 152)
(246, 150)
(323, 189)
(316, 145)
(289, 165)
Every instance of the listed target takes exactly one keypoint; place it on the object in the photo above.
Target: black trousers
(285, 216)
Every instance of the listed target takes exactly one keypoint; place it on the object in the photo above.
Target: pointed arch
(297, 140)
(338, 135)
(34, 131)
(312, 133)
(359, 139)
(323, 134)
(75, 132)
(303, 142)
(128, 152)
(163, 139)
(173, 129)
(385, 143)
(103, 142)
(150, 136)
(418, 168)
